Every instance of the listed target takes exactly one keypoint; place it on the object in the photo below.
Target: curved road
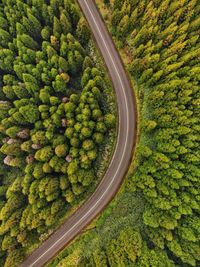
(123, 151)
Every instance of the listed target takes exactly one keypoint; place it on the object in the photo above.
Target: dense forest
(54, 116)
(155, 220)
(163, 40)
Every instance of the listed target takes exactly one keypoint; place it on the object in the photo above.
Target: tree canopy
(51, 124)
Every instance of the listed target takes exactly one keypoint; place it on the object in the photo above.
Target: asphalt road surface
(122, 154)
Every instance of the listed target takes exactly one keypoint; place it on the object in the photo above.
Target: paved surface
(122, 155)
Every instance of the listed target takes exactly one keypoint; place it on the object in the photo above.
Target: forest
(163, 39)
(155, 219)
(56, 107)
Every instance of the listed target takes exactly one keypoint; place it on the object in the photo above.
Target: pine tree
(57, 30)
(65, 24)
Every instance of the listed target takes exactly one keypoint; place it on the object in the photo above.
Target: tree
(35, 24)
(96, 114)
(44, 95)
(82, 31)
(30, 113)
(46, 33)
(86, 132)
(65, 24)
(63, 65)
(6, 59)
(13, 131)
(5, 37)
(87, 63)
(44, 154)
(57, 30)
(125, 249)
(12, 149)
(73, 167)
(15, 257)
(98, 138)
(74, 98)
(100, 127)
(69, 132)
(58, 140)
(28, 41)
(20, 91)
(52, 189)
(74, 142)
(57, 206)
(155, 256)
(88, 145)
(51, 51)
(60, 84)
(123, 27)
(100, 257)
(38, 171)
(69, 196)
(39, 138)
(30, 83)
(92, 154)
(149, 125)
(61, 150)
(116, 17)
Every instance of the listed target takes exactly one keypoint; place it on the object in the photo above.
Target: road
(119, 164)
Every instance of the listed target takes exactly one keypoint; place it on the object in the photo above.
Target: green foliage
(117, 242)
(82, 31)
(110, 120)
(44, 154)
(161, 39)
(61, 150)
(125, 249)
(30, 113)
(160, 42)
(45, 119)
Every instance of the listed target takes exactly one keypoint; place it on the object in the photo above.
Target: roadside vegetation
(154, 220)
(57, 120)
